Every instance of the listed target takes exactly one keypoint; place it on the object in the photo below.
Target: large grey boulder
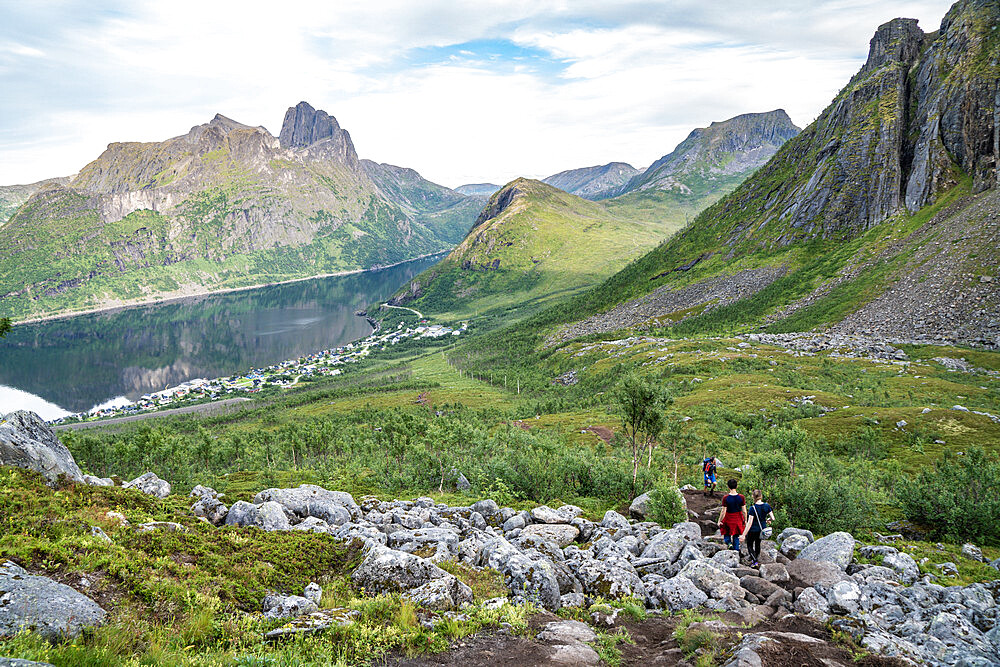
(836, 548)
(614, 521)
(287, 606)
(546, 514)
(561, 533)
(440, 594)
(334, 507)
(27, 442)
(812, 604)
(675, 594)
(385, 570)
(712, 579)
(210, 508)
(822, 575)
(149, 484)
(443, 542)
(51, 609)
(527, 579)
(18, 662)
(268, 516)
(844, 597)
(666, 545)
(613, 577)
(639, 509)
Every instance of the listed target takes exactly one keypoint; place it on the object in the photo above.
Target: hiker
(733, 519)
(759, 517)
(708, 467)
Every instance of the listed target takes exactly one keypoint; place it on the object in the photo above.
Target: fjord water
(79, 362)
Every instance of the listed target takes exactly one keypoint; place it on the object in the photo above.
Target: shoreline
(227, 290)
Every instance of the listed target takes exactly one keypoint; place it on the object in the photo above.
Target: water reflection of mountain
(82, 361)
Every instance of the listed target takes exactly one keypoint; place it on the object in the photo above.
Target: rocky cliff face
(732, 147)
(921, 112)
(256, 207)
(305, 127)
(593, 182)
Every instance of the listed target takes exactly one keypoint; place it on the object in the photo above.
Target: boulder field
(553, 558)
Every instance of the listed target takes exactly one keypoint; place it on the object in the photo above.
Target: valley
(511, 468)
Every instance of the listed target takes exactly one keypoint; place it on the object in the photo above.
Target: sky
(461, 91)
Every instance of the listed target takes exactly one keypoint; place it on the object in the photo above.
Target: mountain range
(225, 205)
(533, 243)
(880, 218)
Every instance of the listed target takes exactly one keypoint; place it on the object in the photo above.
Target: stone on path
(836, 548)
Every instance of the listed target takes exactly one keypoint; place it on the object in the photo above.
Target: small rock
(287, 606)
(168, 526)
(149, 484)
(313, 593)
(99, 533)
(973, 552)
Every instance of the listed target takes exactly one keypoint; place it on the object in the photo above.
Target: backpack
(708, 466)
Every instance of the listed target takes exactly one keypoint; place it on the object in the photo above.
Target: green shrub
(770, 465)
(957, 499)
(665, 505)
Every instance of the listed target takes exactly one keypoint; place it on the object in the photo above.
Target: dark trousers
(753, 544)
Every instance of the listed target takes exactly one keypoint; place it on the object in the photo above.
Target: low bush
(957, 499)
(666, 506)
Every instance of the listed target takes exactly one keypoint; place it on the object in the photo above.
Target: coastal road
(215, 407)
(417, 312)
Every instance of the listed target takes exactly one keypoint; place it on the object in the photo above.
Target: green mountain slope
(226, 205)
(890, 193)
(557, 258)
(12, 196)
(531, 242)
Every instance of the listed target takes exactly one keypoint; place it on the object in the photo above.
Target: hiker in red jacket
(733, 519)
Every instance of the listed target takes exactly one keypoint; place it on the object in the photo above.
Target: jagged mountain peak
(218, 128)
(897, 41)
(305, 127)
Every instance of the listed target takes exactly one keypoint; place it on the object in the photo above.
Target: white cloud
(596, 81)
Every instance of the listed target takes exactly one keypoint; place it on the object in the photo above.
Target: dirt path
(213, 408)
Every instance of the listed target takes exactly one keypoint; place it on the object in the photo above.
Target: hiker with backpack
(708, 467)
(732, 521)
(759, 517)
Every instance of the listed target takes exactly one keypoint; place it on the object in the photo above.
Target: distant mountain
(725, 150)
(594, 182)
(12, 196)
(225, 205)
(511, 259)
(878, 218)
(531, 242)
(486, 189)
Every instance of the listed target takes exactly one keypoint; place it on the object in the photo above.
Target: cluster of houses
(283, 374)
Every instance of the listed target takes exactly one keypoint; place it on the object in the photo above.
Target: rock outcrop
(304, 126)
(920, 112)
(27, 442)
(53, 610)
